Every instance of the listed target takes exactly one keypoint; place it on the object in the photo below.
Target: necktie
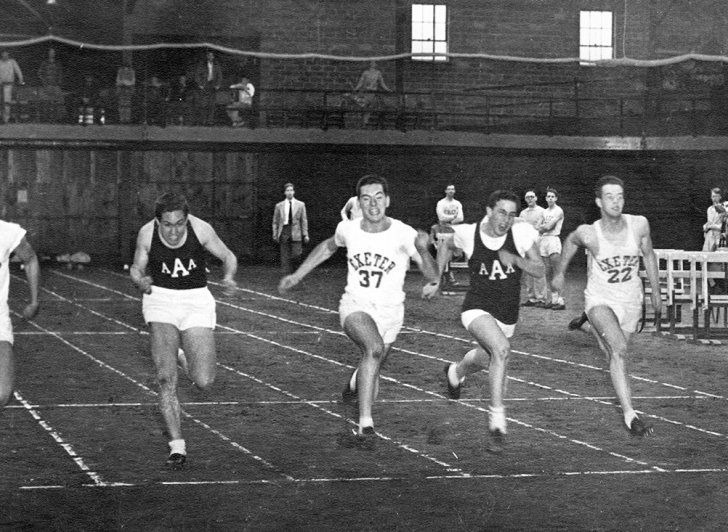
(290, 212)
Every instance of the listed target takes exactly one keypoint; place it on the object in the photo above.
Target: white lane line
(470, 478)
(442, 400)
(95, 477)
(82, 333)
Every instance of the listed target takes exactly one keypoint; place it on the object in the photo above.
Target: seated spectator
(239, 110)
(50, 74)
(180, 93)
(125, 87)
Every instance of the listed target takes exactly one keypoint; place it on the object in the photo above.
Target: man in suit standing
(290, 228)
(208, 77)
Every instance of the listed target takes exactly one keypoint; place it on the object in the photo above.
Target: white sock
(452, 375)
(497, 418)
(177, 446)
(365, 422)
(352, 380)
(629, 415)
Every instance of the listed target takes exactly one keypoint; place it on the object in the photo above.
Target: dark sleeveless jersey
(177, 269)
(494, 287)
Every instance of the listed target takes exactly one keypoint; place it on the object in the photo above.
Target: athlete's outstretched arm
(575, 240)
(319, 254)
(25, 252)
(138, 270)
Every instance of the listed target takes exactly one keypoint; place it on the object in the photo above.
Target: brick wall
(525, 28)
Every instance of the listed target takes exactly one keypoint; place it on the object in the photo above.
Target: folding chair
(682, 287)
(662, 256)
(713, 266)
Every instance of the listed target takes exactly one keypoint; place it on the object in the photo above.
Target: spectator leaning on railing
(50, 74)
(9, 72)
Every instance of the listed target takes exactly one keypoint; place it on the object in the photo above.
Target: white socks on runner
(629, 415)
(177, 446)
(452, 375)
(365, 422)
(497, 418)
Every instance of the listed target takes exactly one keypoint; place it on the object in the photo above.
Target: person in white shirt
(550, 247)
(240, 108)
(352, 209)
(535, 286)
(449, 212)
(9, 73)
(371, 311)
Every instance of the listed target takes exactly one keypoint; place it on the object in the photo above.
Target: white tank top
(614, 271)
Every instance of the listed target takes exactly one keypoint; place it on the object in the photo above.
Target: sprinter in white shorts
(169, 268)
(12, 240)
(613, 295)
(378, 251)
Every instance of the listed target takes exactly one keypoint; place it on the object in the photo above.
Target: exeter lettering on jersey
(366, 259)
(618, 261)
(496, 271)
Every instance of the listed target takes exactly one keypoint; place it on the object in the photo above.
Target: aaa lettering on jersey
(179, 269)
(360, 260)
(496, 271)
(619, 261)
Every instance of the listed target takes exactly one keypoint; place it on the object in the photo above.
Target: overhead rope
(619, 62)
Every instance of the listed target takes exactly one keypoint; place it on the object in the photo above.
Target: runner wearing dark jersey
(498, 249)
(170, 269)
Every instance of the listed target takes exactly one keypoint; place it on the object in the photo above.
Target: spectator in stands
(370, 83)
(50, 74)
(155, 100)
(240, 109)
(9, 73)
(208, 78)
(125, 87)
(179, 94)
(87, 101)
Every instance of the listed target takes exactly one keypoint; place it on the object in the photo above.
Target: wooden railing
(486, 111)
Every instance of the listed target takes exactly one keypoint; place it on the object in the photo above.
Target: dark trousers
(205, 104)
(291, 251)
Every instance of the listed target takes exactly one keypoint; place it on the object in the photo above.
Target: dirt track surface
(270, 446)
